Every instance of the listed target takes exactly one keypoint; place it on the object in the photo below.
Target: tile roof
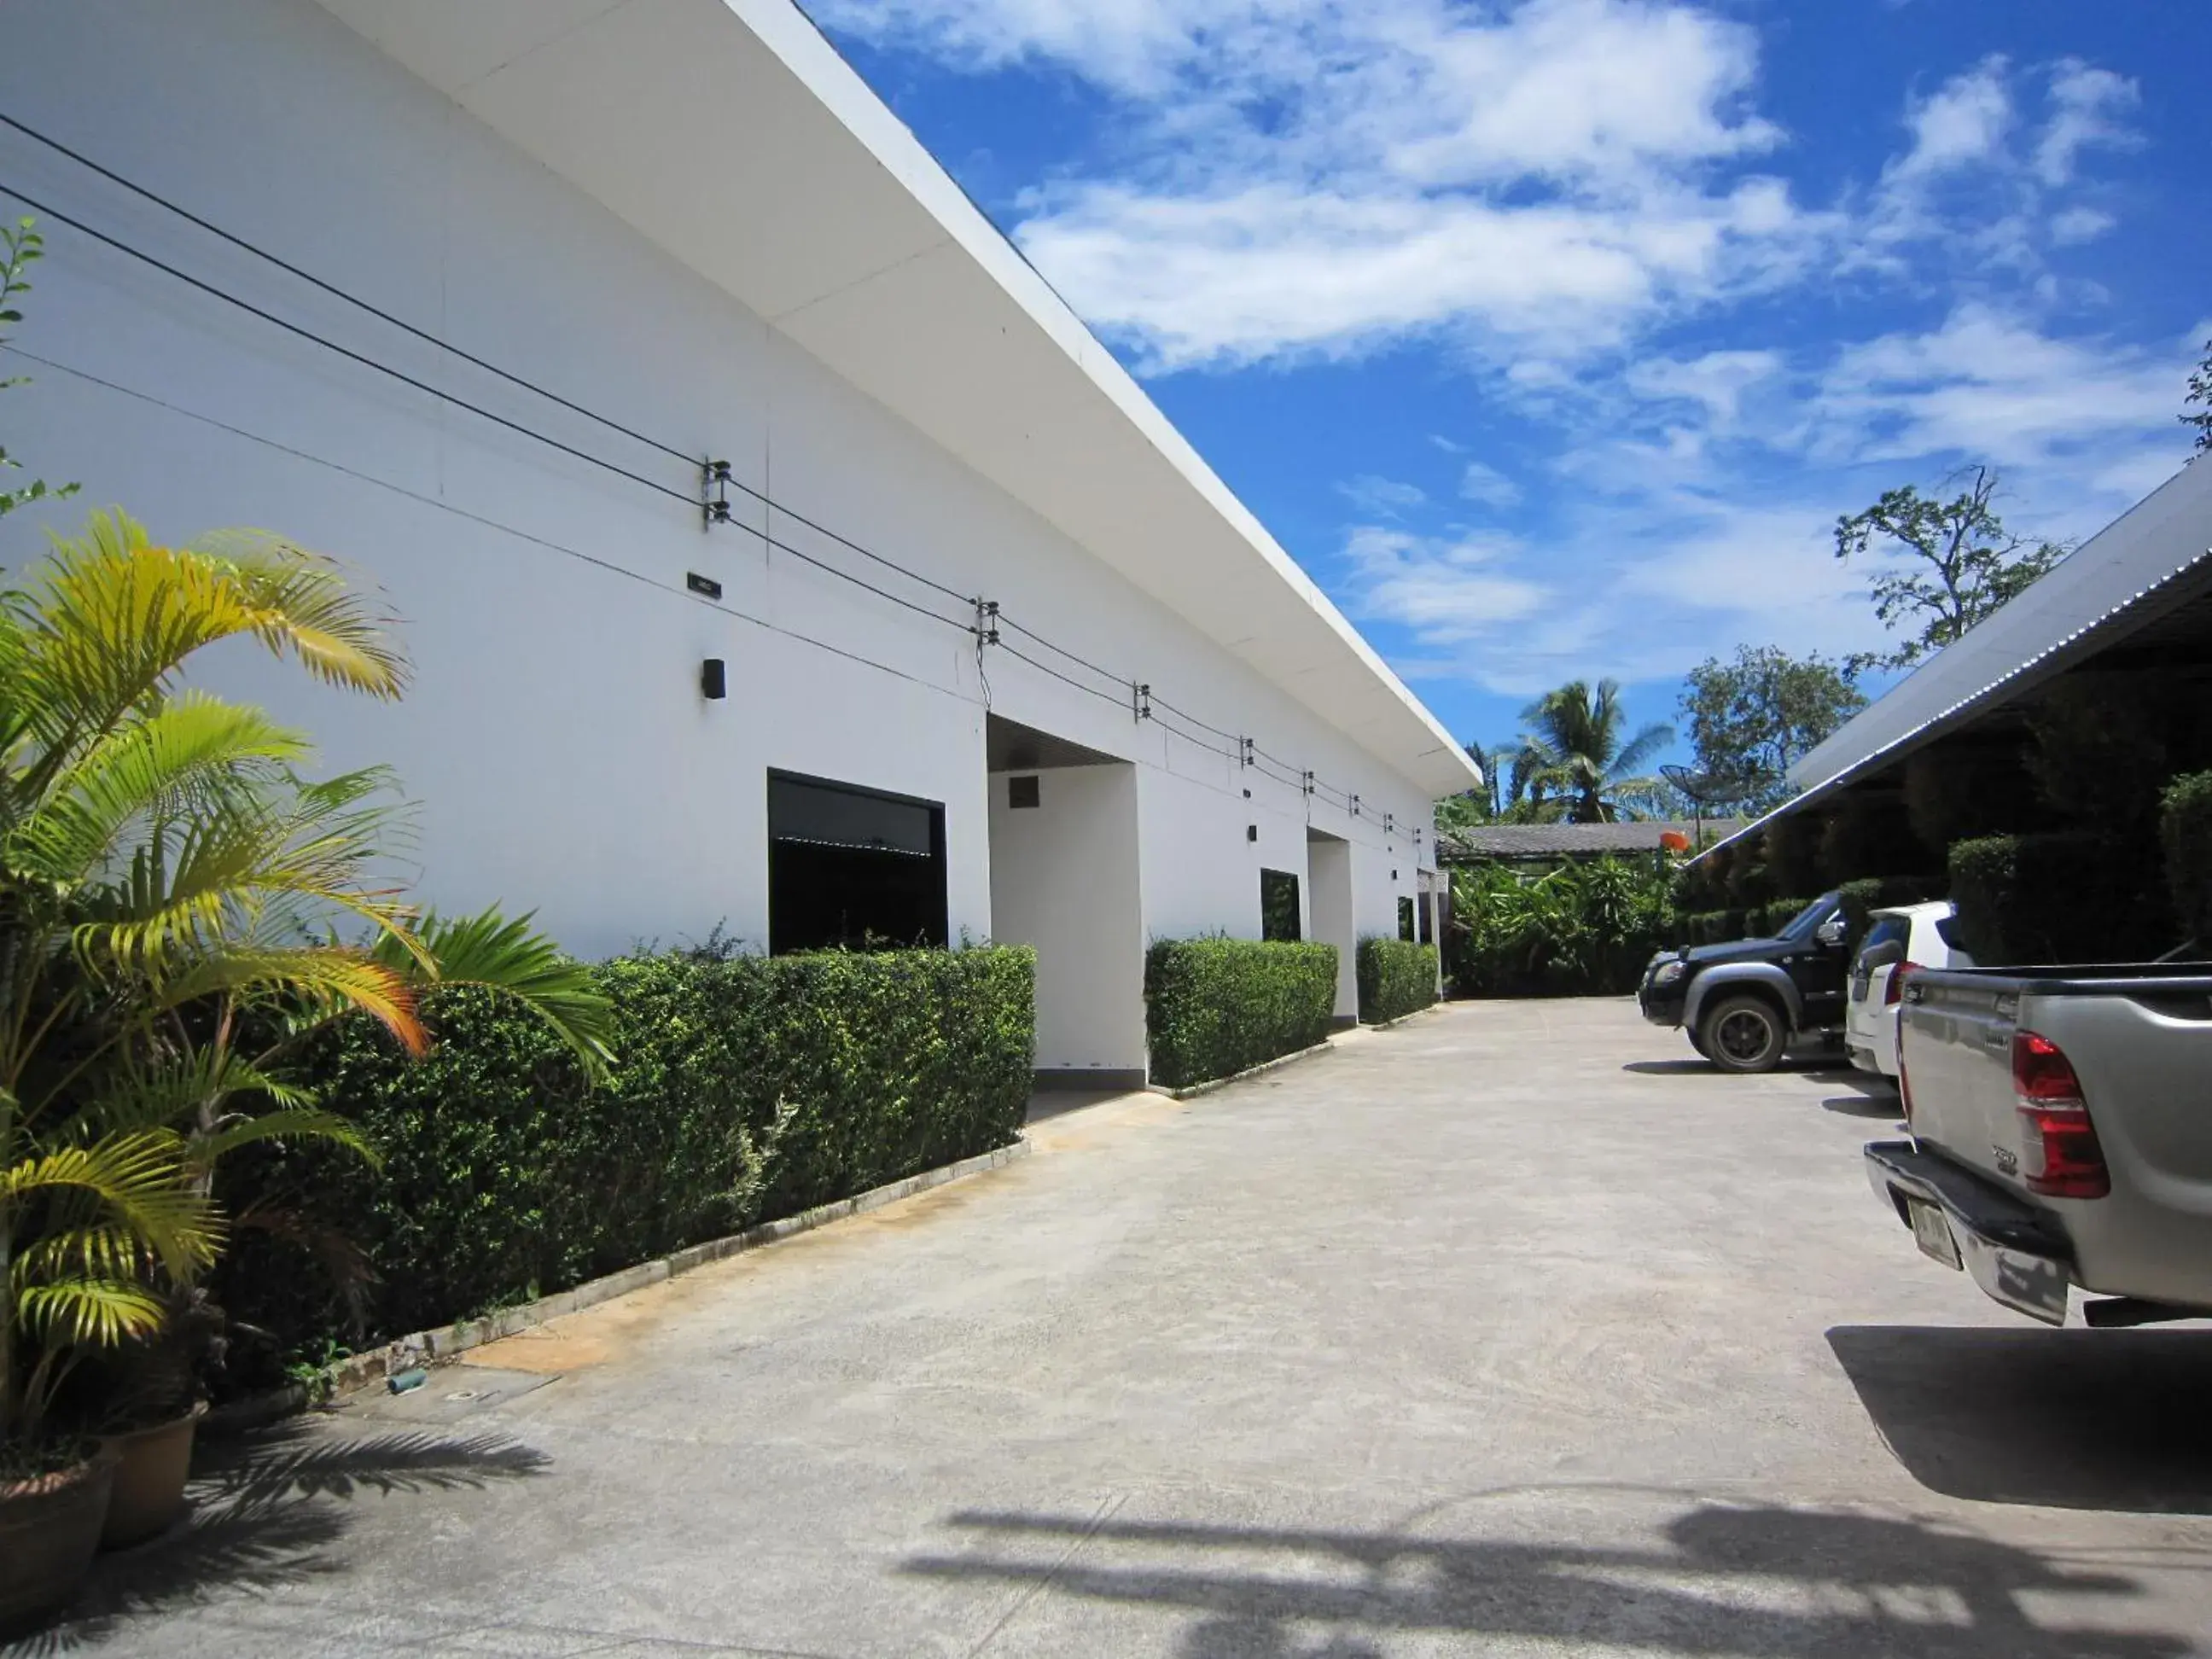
(1542, 841)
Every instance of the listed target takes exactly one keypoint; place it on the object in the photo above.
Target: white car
(1898, 941)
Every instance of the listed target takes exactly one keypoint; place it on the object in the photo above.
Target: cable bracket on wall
(986, 622)
(1141, 702)
(714, 492)
(1244, 747)
(1306, 782)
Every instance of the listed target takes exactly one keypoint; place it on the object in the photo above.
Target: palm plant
(172, 896)
(1575, 749)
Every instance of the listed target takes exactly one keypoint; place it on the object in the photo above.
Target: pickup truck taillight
(2061, 1157)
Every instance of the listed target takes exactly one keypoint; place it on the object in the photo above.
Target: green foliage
(2069, 896)
(1749, 720)
(1959, 791)
(1578, 749)
(1396, 978)
(2199, 417)
(1584, 929)
(2186, 834)
(746, 1088)
(1871, 893)
(1951, 564)
(21, 247)
(1216, 1006)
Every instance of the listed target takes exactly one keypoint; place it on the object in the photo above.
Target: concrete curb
(1195, 1089)
(437, 1347)
(1321, 1048)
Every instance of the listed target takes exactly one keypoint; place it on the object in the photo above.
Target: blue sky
(1552, 337)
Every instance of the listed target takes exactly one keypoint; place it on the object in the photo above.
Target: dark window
(852, 867)
(1024, 792)
(1424, 911)
(1886, 930)
(1279, 905)
(1404, 918)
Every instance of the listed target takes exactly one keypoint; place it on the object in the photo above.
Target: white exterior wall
(1064, 879)
(554, 736)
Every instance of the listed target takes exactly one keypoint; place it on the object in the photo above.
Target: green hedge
(2060, 897)
(746, 1089)
(1396, 978)
(1215, 1006)
(2185, 834)
(1861, 898)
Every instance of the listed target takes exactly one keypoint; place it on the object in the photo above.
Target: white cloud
(1371, 493)
(2079, 224)
(1991, 386)
(1486, 484)
(1313, 178)
(1963, 123)
(1716, 382)
(2088, 103)
(1446, 590)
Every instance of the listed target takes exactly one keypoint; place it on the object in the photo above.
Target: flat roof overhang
(2137, 593)
(731, 134)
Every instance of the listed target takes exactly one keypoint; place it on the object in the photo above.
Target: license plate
(1931, 1231)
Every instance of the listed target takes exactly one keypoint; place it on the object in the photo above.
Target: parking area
(1514, 1329)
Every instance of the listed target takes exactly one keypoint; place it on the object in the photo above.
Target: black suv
(1743, 1004)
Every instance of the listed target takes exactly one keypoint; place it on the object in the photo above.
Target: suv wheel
(1743, 1034)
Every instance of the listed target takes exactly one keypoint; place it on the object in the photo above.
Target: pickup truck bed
(2062, 1131)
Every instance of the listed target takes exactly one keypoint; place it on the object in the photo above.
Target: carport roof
(731, 133)
(2148, 572)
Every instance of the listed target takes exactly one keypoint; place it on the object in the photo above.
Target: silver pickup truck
(2060, 1124)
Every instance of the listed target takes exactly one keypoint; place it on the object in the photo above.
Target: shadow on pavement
(1718, 1580)
(1887, 1106)
(1672, 1067)
(2077, 1419)
(265, 1511)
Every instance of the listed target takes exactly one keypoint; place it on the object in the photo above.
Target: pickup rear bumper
(2018, 1255)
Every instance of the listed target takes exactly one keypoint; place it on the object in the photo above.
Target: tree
(19, 247)
(171, 889)
(1575, 750)
(1749, 719)
(2200, 392)
(1962, 564)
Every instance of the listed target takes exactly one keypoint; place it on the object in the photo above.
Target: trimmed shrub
(2062, 897)
(1396, 978)
(1792, 844)
(1871, 893)
(1215, 1006)
(1578, 929)
(1780, 915)
(746, 1089)
(2186, 834)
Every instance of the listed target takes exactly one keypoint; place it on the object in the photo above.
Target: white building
(613, 241)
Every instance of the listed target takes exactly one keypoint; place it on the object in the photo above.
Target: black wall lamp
(714, 680)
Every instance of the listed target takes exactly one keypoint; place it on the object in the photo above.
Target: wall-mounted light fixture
(714, 680)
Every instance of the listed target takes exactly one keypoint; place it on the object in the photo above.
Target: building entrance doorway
(1063, 823)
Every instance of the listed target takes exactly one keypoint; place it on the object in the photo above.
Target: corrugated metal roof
(2147, 563)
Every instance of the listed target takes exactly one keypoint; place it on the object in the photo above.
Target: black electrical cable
(428, 390)
(1235, 737)
(424, 335)
(1123, 680)
(400, 375)
(1159, 704)
(1064, 679)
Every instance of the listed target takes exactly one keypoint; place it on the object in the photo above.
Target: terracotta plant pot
(49, 1527)
(150, 1469)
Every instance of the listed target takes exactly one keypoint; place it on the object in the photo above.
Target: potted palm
(172, 898)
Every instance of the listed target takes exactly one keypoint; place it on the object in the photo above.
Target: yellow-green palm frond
(99, 1250)
(293, 1123)
(111, 618)
(137, 1180)
(507, 955)
(206, 885)
(175, 1088)
(326, 977)
(311, 610)
(101, 1313)
(194, 754)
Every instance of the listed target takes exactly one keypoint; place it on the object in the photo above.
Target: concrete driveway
(1512, 1330)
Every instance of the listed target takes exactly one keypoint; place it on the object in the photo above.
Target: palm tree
(1574, 748)
(172, 890)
